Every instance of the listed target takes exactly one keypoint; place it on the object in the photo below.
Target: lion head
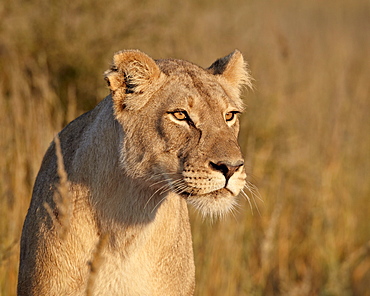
(180, 126)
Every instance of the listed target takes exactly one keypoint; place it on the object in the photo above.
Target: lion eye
(229, 116)
(180, 115)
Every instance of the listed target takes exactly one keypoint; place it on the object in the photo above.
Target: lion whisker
(177, 186)
(254, 194)
(156, 183)
(158, 204)
(248, 199)
(161, 174)
(159, 189)
(170, 184)
(232, 211)
(179, 189)
(154, 176)
(254, 190)
(173, 185)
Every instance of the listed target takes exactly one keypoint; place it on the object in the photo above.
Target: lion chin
(215, 204)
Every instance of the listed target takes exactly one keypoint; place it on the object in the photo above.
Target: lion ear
(132, 78)
(233, 69)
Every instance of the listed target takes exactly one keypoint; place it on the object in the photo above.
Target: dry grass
(305, 133)
(62, 197)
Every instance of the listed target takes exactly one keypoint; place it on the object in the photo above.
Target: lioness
(166, 135)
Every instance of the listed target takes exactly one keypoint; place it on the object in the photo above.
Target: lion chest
(158, 262)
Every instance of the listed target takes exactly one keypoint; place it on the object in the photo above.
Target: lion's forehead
(190, 76)
(199, 96)
(199, 90)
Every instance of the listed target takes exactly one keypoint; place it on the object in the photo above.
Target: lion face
(180, 126)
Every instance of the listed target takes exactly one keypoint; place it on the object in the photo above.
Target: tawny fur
(166, 135)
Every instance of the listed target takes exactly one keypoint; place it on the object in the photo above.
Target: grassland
(305, 134)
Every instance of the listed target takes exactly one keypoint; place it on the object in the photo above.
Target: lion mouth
(201, 187)
(216, 194)
(212, 196)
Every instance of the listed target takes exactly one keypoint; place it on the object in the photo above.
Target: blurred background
(305, 134)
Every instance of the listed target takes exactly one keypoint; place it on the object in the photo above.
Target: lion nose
(227, 168)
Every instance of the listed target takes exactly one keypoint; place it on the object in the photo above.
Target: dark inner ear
(107, 80)
(219, 66)
(233, 69)
(130, 86)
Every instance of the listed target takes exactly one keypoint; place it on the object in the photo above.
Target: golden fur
(167, 134)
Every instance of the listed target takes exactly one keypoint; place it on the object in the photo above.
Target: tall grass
(305, 133)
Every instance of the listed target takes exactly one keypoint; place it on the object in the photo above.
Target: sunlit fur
(132, 166)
